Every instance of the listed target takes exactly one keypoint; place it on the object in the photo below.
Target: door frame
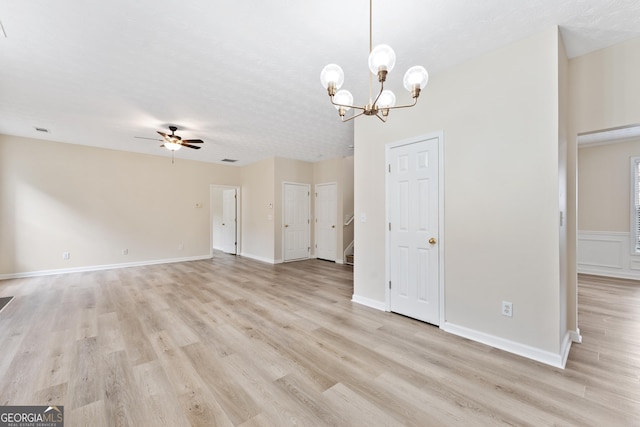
(282, 219)
(315, 216)
(238, 215)
(441, 240)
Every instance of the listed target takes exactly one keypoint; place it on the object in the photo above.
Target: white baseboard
(378, 305)
(557, 360)
(575, 336)
(607, 253)
(258, 258)
(564, 349)
(99, 267)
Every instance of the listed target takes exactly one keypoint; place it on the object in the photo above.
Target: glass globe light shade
(387, 99)
(416, 75)
(344, 98)
(172, 146)
(382, 57)
(332, 73)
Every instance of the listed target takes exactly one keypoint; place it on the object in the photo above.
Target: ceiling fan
(174, 142)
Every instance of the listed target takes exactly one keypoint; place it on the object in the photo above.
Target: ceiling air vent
(229, 160)
(45, 130)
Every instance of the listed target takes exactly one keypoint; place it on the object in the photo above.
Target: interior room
(221, 213)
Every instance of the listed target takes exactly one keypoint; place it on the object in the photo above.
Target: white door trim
(388, 147)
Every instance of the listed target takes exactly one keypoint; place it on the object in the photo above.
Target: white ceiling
(244, 75)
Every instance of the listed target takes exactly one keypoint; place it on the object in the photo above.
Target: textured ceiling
(244, 75)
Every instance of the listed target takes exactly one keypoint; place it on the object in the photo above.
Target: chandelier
(382, 59)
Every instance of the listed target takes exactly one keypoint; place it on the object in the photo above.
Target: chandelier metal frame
(381, 62)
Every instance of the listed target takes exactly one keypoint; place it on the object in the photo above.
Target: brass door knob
(286, 225)
(333, 226)
(432, 240)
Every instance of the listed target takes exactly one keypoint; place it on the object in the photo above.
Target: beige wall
(603, 93)
(347, 201)
(605, 88)
(94, 203)
(567, 282)
(499, 114)
(258, 218)
(604, 186)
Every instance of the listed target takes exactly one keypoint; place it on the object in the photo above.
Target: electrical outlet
(507, 309)
(66, 255)
(125, 252)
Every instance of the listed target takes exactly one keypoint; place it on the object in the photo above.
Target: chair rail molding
(607, 253)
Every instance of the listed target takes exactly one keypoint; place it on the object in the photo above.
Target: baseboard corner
(378, 305)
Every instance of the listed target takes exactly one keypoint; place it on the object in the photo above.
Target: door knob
(286, 225)
(333, 226)
(223, 223)
(432, 240)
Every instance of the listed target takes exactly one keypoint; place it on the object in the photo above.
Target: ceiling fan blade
(193, 141)
(143, 137)
(162, 146)
(190, 146)
(164, 135)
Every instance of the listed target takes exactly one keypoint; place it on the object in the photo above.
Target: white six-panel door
(296, 221)
(229, 226)
(413, 230)
(326, 221)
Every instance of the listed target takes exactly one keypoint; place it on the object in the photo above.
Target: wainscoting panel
(607, 253)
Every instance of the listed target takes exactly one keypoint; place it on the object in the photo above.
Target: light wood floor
(234, 342)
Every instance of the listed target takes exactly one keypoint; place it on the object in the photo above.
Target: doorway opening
(225, 228)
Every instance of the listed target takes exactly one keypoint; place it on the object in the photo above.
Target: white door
(229, 215)
(326, 221)
(296, 221)
(413, 230)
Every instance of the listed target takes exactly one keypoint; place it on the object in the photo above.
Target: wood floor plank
(157, 396)
(90, 415)
(86, 376)
(234, 342)
(122, 398)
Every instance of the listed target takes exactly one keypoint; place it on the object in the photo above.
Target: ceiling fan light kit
(174, 142)
(382, 60)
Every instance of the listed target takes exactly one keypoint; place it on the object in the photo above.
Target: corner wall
(258, 213)
(499, 114)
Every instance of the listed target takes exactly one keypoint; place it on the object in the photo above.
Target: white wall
(500, 118)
